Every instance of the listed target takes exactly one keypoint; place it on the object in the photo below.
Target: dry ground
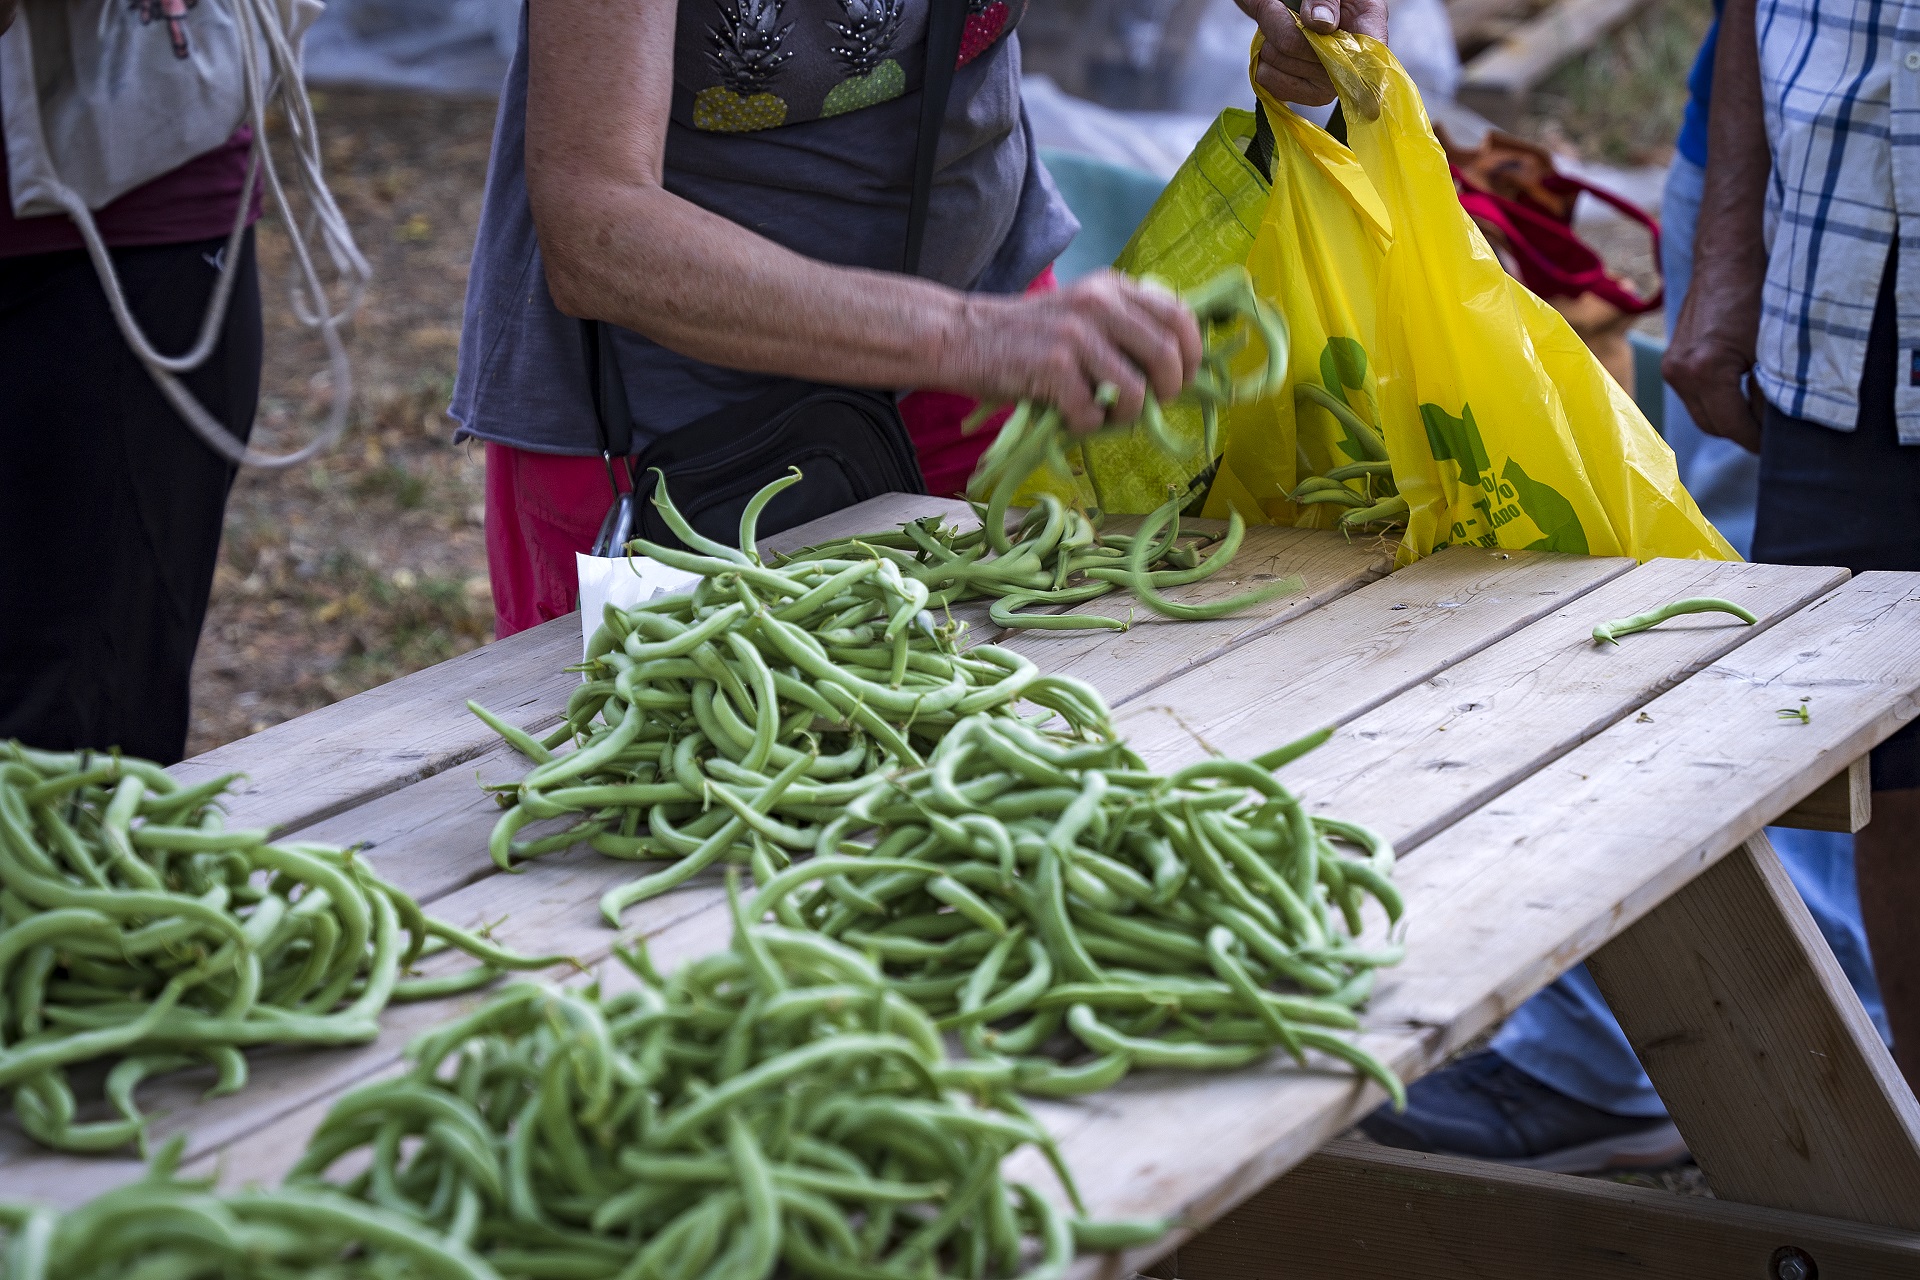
(343, 573)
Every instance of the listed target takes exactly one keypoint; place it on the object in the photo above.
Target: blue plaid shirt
(1841, 83)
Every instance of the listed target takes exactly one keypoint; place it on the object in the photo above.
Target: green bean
(1142, 586)
(163, 939)
(1610, 632)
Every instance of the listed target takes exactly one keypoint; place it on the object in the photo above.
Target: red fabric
(545, 508)
(542, 510)
(194, 202)
(1554, 261)
(933, 419)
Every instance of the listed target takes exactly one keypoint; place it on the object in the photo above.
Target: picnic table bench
(1552, 800)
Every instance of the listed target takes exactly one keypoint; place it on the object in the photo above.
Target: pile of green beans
(773, 1105)
(1055, 556)
(134, 926)
(166, 1228)
(1377, 500)
(729, 724)
(1025, 887)
(1230, 312)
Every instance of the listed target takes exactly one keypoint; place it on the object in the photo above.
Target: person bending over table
(724, 184)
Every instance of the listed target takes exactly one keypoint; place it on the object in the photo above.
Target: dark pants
(1849, 498)
(110, 506)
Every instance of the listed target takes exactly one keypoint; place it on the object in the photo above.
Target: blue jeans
(1566, 1037)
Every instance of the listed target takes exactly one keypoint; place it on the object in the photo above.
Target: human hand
(1059, 347)
(1289, 69)
(1705, 364)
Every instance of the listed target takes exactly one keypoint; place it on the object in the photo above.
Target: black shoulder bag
(849, 443)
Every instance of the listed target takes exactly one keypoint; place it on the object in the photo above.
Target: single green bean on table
(731, 723)
(135, 928)
(1038, 890)
(1610, 632)
(773, 1105)
(1034, 436)
(166, 1226)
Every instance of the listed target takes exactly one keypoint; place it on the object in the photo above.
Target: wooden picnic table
(1553, 801)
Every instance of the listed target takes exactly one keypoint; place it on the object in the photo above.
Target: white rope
(261, 31)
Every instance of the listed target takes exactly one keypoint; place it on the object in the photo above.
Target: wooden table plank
(1522, 889)
(1356, 653)
(329, 760)
(1843, 802)
(1124, 665)
(1443, 748)
(1362, 1212)
(1760, 1048)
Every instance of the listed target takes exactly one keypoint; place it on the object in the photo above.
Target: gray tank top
(798, 120)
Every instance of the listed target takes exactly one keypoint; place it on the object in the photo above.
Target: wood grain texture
(327, 761)
(1125, 665)
(1341, 661)
(1356, 1211)
(1448, 745)
(1519, 891)
(1761, 1051)
(1843, 802)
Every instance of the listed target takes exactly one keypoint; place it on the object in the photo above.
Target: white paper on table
(621, 582)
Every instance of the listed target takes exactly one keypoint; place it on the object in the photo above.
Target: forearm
(1729, 249)
(639, 257)
(1715, 334)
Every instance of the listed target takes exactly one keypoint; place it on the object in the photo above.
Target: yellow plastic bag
(1203, 223)
(1502, 428)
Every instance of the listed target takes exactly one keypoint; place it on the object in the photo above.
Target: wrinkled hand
(1288, 68)
(1059, 347)
(1704, 365)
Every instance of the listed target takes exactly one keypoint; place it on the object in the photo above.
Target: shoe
(1486, 1108)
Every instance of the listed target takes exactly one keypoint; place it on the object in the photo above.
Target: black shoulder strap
(946, 21)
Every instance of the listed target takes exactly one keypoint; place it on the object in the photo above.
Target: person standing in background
(1798, 342)
(110, 505)
(1559, 1088)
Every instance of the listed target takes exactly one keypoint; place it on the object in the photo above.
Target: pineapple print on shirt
(746, 51)
(866, 38)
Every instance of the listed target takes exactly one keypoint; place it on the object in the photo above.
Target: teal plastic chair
(1649, 388)
(1109, 199)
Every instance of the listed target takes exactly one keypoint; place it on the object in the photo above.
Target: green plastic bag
(1202, 224)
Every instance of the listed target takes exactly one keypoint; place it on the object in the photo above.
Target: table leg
(1762, 1052)
(1355, 1211)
